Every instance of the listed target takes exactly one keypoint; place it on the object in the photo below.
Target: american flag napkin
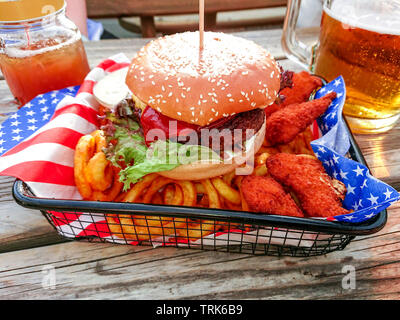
(366, 195)
(37, 142)
(37, 145)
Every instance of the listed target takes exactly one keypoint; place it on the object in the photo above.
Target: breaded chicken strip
(303, 84)
(264, 194)
(306, 177)
(285, 124)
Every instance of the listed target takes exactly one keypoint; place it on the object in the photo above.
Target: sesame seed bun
(232, 75)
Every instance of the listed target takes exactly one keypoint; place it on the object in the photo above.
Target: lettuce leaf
(129, 147)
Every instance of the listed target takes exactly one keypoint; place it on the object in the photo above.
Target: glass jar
(38, 55)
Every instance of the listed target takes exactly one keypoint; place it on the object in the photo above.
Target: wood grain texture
(120, 8)
(20, 227)
(382, 154)
(98, 50)
(102, 271)
(96, 271)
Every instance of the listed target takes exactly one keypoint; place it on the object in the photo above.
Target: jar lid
(19, 10)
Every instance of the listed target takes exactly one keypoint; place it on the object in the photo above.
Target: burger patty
(231, 134)
(252, 120)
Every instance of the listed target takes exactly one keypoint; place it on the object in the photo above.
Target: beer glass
(360, 40)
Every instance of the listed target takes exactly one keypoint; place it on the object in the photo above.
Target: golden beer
(367, 54)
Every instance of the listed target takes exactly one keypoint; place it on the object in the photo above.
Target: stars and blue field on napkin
(31, 117)
(366, 195)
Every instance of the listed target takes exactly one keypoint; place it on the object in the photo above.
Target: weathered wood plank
(124, 272)
(20, 227)
(99, 50)
(382, 154)
(119, 8)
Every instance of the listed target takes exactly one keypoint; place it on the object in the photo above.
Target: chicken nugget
(285, 124)
(264, 194)
(303, 84)
(307, 179)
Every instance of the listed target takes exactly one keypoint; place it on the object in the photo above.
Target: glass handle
(294, 49)
(2, 45)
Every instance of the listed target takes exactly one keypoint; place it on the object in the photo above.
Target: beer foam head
(372, 15)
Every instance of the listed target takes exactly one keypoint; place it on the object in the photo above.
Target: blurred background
(113, 19)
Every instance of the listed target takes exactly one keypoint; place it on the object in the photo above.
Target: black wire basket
(199, 228)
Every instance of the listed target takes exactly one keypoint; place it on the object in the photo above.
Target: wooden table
(29, 245)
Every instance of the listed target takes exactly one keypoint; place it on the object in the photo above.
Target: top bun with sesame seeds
(229, 76)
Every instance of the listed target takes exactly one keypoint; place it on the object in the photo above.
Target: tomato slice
(170, 128)
(167, 128)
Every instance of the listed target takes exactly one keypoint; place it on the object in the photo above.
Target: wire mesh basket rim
(21, 190)
(25, 197)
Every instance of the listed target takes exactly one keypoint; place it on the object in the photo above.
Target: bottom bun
(208, 169)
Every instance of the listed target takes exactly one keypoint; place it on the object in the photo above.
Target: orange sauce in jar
(42, 67)
(42, 54)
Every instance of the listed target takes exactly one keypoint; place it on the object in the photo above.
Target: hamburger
(191, 114)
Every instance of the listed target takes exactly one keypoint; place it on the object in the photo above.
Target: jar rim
(34, 20)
